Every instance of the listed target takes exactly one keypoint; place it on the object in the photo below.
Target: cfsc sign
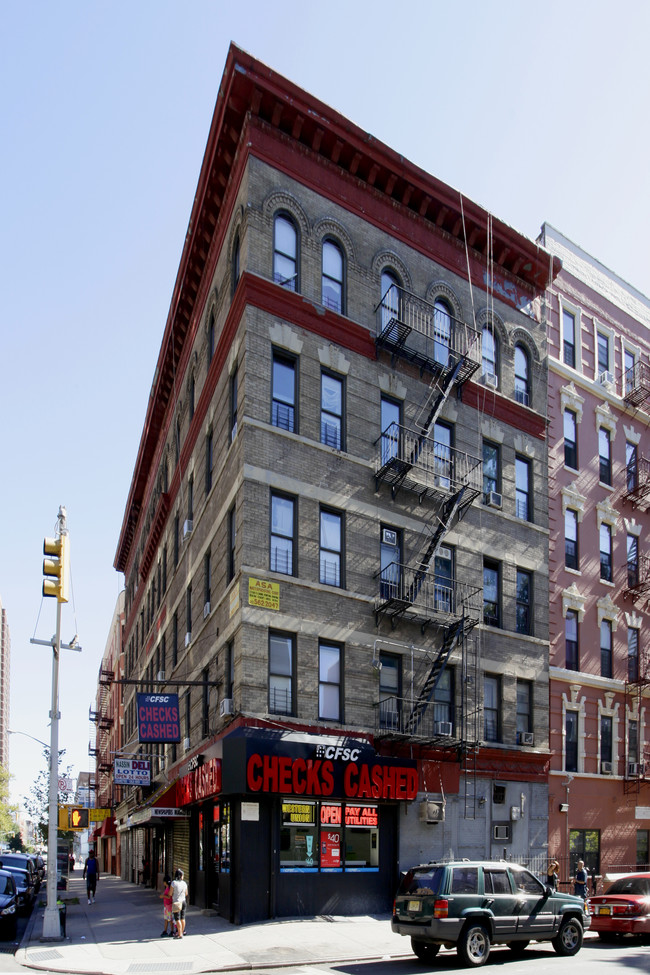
(158, 718)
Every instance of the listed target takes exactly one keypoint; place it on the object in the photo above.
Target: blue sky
(536, 111)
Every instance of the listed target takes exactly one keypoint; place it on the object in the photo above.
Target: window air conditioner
(389, 537)
(188, 525)
(206, 610)
(432, 812)
(188, 639)
(226, 707)
(606, 379)
(490, 379)
(525, 738)
(501, 832)
(632, 768)
(186, 744)
(444, 728)
(160, 675)
(494, 499)
(606, 768)
(444, 553)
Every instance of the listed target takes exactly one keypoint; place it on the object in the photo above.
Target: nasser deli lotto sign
(363, 778)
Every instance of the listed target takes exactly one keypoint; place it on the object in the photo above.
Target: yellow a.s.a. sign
(263, 593)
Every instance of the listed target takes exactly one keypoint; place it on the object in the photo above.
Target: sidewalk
(120, 935)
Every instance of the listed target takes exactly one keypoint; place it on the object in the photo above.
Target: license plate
(604, 910)
(414, 906)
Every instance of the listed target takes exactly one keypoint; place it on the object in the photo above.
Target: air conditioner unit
(494, 499)
(525, 738)
(606, 379)
(389, 537)
(501, 832)
(432, 811)
(444, 728)
(160, 675)
(444, 553)
(632, 768)
(226, 707)
(489, 379)
(188, 639)
(186, 744)
(206, 610)
(188, 525)
(606, 768)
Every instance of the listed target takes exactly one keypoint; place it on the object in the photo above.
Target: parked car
(26, 862)
(472, 905)
(25, 890)
(623, 909)
(40, 865)
(8, 906)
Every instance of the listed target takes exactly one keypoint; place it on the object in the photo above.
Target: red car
(624, 908)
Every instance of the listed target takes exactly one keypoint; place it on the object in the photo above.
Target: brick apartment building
(335, 543)
(599, 477)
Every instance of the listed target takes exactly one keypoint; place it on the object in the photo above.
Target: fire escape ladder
(450, 513)
(452, 636)
(638, 577)
(636, 385)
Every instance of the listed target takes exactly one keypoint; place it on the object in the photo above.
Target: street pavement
(120, 935)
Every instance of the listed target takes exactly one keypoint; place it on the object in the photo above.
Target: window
(571, 741)
(491, 594)
(489, 353)
(190, 498)
(632, 653)
(391, 413)
(211, 337)
(524, 602)
(177, 535)
(632, 561)
(285, 253)
(282, 534)
(571, 640)
(390, 559)
(491, 470)
(235, 264)
(207, 579)
(606, 648)
(282, 650)
(522, 381)
(629, 371)
(632, 740)
(188, 614)
(177, 442)
(390, 691)
(491, 708)
(329, 682)
(188, 713)
(234, 392)
(443, 698)
(606, 738)
(603, 353)
(331, 410)
(164, 568)
(584, 844)
(332, 279)
(442, 325)
(209, 459)
(229, 670)
(571, 560)
(631, 467)
(444, 591)
(443, 437)
(283, 405)
(175, 639)
(642, 849)
(331, 547)
(524, 707)
(569, 338)
(192, 396)
(605, 455)
(390, 298)
(570, 440)
(522, 489)
(232, 541)
(205, 703)
(605, 553)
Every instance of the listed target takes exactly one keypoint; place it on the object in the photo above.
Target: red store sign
(200, 783)
(316, 777)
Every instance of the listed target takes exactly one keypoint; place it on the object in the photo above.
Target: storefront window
(200, 864)
(298, 837)
(361, 838)
(348, 838)
(224, 838)
(331, 834)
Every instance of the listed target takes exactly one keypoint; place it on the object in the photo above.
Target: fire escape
(101, 720)
(426, 591)
(636, 385)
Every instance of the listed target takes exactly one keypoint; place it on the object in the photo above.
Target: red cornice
(501, 408)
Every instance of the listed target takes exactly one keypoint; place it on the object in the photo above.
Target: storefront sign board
(264, 594)
(130, 771)
(158, 718)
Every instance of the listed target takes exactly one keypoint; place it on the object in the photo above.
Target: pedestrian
(146, 871)
(580, 881)
(167, 908)
(71, 862)
(552, 877)
(179, 900)
(91, 875)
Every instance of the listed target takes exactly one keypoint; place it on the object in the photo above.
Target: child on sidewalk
(167, 908)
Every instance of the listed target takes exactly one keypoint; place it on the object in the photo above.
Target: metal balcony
(435, 341)
(437, 726)
(637, 483)
(424, 465)
(636, 385)
(425, 598)
(638, 577)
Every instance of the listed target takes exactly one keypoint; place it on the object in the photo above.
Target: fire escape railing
(637, 483)
(424, 464)
(636, 385)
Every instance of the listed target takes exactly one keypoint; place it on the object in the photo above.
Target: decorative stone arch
(192, 367)
(387, 259)
(280, 200)
(328, 228)
(490, 319)
(521, 336)
(440, 289)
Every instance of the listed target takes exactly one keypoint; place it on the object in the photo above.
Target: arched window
(211, 336)
(441, 331)
(489, 355)
(235, 264)
(285, 253)
(332, 278)
(390, 297)
(522, 382)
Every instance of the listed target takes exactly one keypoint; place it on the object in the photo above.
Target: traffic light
(79, 817)
(56, 568)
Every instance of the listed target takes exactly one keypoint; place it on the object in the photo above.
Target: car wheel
(568, 940)
(474, 945)
(518, 947)
(424, 950)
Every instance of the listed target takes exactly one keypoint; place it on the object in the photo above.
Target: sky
(537, 112)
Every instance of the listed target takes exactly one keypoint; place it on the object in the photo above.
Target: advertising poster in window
(330, 849)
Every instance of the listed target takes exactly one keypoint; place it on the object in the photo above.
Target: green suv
(472, 905)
